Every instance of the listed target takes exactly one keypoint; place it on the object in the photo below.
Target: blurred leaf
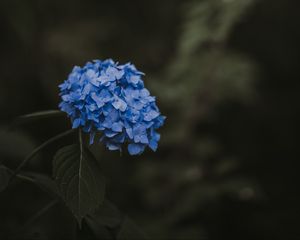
(242, 189)
(196, 198)
(36, 116)
(4, 177)
(107, 215)
(129, 230)
(79, 179)
(210, 21)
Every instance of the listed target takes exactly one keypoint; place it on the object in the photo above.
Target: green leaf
(80, 182)
(106, 215)
(4, 177)
(36, 116)
(129, 231)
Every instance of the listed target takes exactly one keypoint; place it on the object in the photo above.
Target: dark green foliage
(79, 180)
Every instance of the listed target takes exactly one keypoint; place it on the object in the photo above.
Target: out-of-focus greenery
(226, 75)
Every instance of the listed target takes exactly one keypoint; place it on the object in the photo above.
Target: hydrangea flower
(111, 98)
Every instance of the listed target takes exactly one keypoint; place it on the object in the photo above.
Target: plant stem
(35, 151)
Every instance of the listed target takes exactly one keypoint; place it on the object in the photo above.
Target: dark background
(226, 74)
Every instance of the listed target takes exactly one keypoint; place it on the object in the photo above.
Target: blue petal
(108, 133)
(95, 81)
(98, 100)
(107, 109)
(75, 96)
(134, 79)
(113, 146)
(159, 121)
(138, 105)
(92, 107)
(104, 79)
(144, 93)
(119, 104)
(139, 129)
(153, 142)
(138, 132)
(76, 123)
(129, 133)
(135, 149)
(91, 74)
(66, 107)
(132, 115)
(93, 117)
(66, 98)
(144, 139)
(153, 145)
(114, 73)
(107, 123)
(119, 74)
(148, 116)
(86, 90)
(64, 86)
(117, 127)
(105, 95)
(132, 93)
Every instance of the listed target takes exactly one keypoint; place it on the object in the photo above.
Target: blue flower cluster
(111, 98)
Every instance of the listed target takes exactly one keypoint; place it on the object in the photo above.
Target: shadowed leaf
(80, 182)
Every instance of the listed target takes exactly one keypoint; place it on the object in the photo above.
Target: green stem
(25, 178)
(20, 176)
(80, 139)
(80, 165)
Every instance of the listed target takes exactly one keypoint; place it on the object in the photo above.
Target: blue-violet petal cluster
(111, 98)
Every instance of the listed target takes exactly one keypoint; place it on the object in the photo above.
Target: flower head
(111, 98)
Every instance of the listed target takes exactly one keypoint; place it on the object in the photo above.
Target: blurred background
(226, 75)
